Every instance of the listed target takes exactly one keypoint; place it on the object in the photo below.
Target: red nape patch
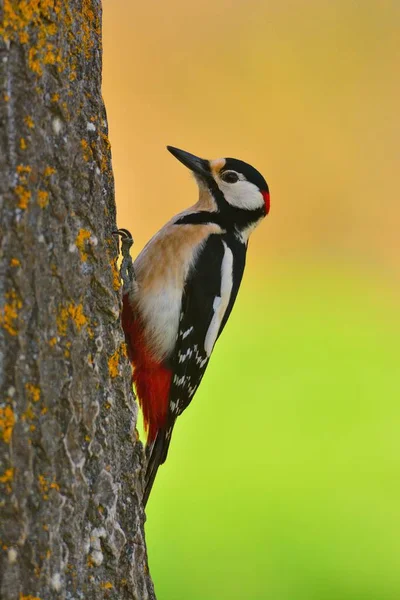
(152, 379)
(266, 201)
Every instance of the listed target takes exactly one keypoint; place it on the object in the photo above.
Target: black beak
(199, 166)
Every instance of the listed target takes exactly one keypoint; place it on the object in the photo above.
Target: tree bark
(70, 462)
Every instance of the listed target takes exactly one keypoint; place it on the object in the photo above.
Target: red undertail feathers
(152, 379)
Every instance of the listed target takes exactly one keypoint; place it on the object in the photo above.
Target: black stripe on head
(251, 174)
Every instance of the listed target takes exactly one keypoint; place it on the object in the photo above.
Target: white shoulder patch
(221, 302)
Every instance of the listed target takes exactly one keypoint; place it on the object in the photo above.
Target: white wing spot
(184, 335)
(179, 380)
(199, 358)
(183, 357)
(192, 390)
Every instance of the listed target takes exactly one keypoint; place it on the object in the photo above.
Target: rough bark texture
(70, 465)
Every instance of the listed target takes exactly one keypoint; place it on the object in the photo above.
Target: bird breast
(161, 270)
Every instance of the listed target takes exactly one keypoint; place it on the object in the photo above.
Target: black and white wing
(209, 295)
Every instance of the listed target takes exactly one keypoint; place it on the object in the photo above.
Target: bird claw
(126, 237)
(127, 271)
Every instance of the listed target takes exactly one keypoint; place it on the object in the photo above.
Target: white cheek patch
(242, 194)
(221, 302)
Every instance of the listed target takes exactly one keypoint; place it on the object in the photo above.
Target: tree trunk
(70, 463)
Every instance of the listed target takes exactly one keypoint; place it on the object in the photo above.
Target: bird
(181, 290)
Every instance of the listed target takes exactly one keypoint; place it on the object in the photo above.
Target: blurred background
(283, 476)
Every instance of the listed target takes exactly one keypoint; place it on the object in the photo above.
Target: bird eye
(230, 176)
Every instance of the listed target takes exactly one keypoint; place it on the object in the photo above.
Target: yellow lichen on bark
(29, 122)
(7, 476)
(73, 312)
(43, 16)
(43, 198)
(82, 236)
(9, 312)
(105, 153)
(106, 585)
(35, 23)
(7, 422)
(48, 171)
(90, 24)
(86, 150)
(113, 361)
(23, 169)
(23, 196)
(115, 275)
(45, 486)
(23, 37)
(33, 392)
(28, 414)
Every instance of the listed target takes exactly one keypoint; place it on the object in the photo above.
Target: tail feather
(157, 454)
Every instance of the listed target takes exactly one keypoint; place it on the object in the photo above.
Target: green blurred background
(283, 477)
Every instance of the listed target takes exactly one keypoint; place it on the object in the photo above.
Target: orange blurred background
(307, 91)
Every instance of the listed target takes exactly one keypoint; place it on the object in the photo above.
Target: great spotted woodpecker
(180, 294)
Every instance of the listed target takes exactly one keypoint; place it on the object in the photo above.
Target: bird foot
(127, 271)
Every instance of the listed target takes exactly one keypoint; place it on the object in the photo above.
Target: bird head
(238, 191)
